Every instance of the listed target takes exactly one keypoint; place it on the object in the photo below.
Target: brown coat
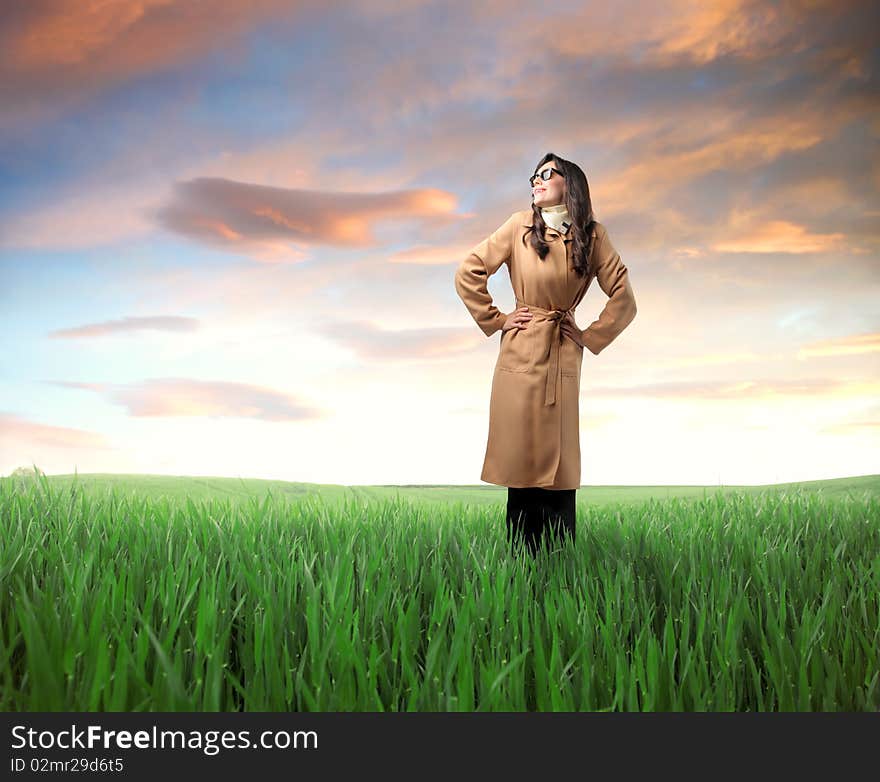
(534, 435)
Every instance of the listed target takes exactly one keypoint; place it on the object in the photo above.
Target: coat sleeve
(472, 276)
(620, 309)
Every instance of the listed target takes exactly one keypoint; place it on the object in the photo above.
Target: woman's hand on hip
(518, 319)
(570, 329)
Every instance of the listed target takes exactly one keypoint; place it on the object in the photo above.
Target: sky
(229, 233)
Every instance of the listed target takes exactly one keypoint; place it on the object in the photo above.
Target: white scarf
(554, 215)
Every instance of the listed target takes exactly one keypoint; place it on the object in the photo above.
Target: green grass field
(149, 593)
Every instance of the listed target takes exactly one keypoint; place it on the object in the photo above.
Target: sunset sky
(229, 232)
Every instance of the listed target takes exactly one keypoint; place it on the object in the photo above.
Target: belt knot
(555, 316)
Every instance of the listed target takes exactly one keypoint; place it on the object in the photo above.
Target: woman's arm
(621, 306)
(472, 276)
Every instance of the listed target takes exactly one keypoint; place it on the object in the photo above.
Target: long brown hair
(580, 209)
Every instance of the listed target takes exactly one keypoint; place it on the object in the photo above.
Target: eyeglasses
(545, 174)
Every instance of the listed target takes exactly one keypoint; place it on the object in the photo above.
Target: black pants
(534, 512)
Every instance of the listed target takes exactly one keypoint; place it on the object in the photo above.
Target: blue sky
(228, 233)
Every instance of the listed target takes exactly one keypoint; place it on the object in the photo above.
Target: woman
(553, 251)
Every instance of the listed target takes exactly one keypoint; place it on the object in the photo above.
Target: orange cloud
(250, 218)
(184, 397)
(844, 346)
(128, 325)
(664, 34)
(779, 236)
(71, 33)
(57, 53)
(670, 156)
(13, 427)
(702, 32)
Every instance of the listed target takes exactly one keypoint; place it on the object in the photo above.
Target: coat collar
(550, 232)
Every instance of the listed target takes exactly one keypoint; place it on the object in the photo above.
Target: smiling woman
(553, 252)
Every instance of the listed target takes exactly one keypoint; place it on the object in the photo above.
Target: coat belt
(555, 317)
